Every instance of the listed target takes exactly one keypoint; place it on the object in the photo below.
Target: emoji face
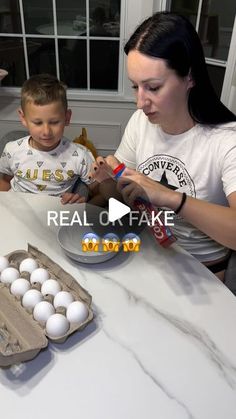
(90, 242)
(110, 243)
(131, 243)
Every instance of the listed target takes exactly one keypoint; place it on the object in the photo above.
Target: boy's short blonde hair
(42, 89)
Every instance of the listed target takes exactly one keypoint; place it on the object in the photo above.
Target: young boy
(45, 162)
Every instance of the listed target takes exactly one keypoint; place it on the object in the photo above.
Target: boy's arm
(5, 180)
(99, 193)
(95, 197)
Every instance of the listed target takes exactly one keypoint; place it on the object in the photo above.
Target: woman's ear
(22, 117)
(190, 80)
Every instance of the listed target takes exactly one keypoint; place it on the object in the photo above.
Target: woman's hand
(216, 221)
(102, 172)
(133, 185)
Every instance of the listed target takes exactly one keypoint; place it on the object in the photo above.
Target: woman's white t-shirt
(200, 162)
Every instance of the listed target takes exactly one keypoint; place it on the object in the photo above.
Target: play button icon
(116, 209)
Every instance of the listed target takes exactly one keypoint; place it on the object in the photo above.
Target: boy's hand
(5, 182)
(72, 198)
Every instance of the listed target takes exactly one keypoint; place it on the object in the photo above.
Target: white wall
(232, 96)
(157, 5)
(228, 95)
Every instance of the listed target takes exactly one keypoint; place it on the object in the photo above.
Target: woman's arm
(216, 221)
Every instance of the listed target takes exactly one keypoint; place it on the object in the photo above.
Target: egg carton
(21, 336)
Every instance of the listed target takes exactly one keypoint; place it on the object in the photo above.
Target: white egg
(28, 265)
(63, 299)
(31, 298)
(77, 312)
(20, 286)
(42, 311)
(51, 287)
(9, 275)
(4, 263)
(57, 325)
(39, 275)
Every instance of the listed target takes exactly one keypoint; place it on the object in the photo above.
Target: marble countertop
(162, 343)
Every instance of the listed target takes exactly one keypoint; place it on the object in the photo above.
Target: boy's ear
(22, 117)
(68, 116)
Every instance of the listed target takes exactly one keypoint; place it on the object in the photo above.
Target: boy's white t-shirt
(200, 162)
(48, 172)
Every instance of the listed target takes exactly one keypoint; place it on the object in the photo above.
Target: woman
(181, 139)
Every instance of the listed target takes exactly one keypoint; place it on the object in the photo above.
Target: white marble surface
(162, 344)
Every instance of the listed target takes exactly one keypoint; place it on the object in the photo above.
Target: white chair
(11, 136)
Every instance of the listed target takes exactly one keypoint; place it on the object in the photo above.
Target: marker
(119, 170)
(162, 233)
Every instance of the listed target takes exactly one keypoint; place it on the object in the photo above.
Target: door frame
(228, 91)
(230, 72)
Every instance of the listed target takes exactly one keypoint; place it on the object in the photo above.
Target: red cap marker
(162, 233)
(119, 170)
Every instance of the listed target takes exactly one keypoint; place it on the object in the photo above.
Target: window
(77, 40)
(214, 20)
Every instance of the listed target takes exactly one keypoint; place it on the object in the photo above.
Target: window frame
(132, 12)
(229, 65)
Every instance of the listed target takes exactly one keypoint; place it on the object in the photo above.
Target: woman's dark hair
(173, 38)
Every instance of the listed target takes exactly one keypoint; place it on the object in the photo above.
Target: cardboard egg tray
(21, 336)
